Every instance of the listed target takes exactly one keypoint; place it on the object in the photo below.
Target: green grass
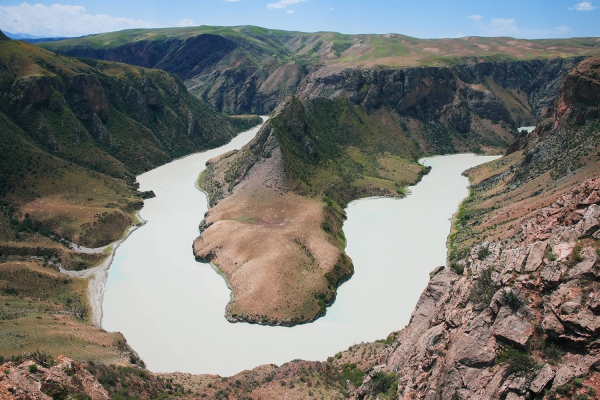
(519, 362)
(262, 43)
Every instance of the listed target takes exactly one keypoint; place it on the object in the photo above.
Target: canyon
(513, 313)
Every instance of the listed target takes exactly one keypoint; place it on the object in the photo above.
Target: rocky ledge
(515, 319)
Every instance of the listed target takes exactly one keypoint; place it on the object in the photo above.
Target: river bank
(170, 307)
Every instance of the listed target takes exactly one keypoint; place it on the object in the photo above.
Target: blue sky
(419, 18)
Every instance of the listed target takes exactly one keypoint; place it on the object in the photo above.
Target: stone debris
(65, 379)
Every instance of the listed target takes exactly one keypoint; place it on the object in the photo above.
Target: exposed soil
(269, 244)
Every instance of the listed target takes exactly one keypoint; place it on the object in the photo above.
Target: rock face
(65, 379)
(578, 101)
(113, 118)
(449, 343)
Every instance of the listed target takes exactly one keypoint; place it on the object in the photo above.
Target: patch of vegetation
(353, 374)
(484, 289)
(519, 361)
(483, 252)
(383, 383)
(512, 300)
(457, 267)
(131, 383)
(552, 351)
(575, 257)
(550, 255)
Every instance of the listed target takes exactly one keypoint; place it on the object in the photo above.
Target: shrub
(382, 382)
(353, 374)
(517, 360)
(564, 389)
(576, 256)
(578, 382)
(483, 290)
(512, 300)
(483, 252)
(33, 368)
(458, 268)
(552, 351)
(42, 358)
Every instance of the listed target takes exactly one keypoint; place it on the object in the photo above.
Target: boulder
(512, 327)
(551, 325)
(536, 256)
(513, 259)
(586, 268)
(590, 220)
(542, 379)
(550, 274)
(562, 250)
(573, 366)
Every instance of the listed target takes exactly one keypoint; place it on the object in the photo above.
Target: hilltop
(252, 69)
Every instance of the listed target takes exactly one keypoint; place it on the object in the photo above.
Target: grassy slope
(67, 176)
(68, 168)
(339, 49)
(40, 309)
(562, 152)
(332, 152)
(334, 148)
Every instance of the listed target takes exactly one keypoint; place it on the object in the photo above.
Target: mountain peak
(3, 36)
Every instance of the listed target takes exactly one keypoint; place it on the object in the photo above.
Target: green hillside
(74, 135)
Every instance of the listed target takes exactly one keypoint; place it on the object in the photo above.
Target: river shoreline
(98, 275)
(170, 307)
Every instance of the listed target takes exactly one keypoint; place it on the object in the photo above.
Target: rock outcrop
(517, 315)
(64, 379)
(454, 344)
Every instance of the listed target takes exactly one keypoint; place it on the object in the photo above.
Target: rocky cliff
(98, 123)
(513, 314)
(462, 101)
(250, 69)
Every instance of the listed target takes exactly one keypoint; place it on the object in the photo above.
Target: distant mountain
(32, 38)
(253, 69)
(19, 36)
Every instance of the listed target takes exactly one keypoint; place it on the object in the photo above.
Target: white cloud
(186, 22)
(289, 12)
(583, 6)
(282, 3)
(62, 20)
(501, 27)
(475, 17)
(563, 29)
(231, 1)
(508, 27)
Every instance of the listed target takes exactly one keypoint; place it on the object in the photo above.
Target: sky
(530, 19)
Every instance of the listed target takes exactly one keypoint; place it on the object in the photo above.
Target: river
(170, 307)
